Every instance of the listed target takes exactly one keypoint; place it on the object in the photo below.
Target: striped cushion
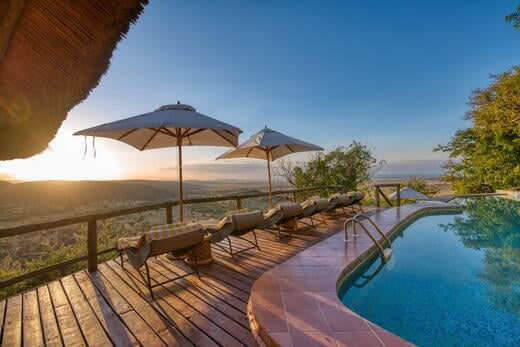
(167, 231)
(157, 233)
(242, 210)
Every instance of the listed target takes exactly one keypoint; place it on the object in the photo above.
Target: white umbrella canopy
(409, 193)
(269, 145)
(175, 125)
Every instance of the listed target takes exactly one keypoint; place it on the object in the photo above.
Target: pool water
(453, 280)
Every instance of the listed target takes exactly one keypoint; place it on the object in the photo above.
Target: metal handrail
(364, 216)
(354, 220)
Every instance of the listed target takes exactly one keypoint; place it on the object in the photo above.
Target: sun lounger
(359, 197)
(177, 239)
(333, 203)
(344, 201)
(236, 224)
(312, 207)
(281, 214)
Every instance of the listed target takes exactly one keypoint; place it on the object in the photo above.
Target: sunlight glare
(63, 160)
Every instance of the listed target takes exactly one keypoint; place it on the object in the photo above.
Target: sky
(395, 75)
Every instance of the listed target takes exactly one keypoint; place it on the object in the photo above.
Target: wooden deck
(113, 306)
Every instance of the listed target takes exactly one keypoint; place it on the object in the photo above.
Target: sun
(64, 160)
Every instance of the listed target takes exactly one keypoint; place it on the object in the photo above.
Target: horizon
(376, 73)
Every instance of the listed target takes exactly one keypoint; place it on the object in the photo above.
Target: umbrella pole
(270, 187)
(181, 193)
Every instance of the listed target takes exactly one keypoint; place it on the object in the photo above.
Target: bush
(346, 166)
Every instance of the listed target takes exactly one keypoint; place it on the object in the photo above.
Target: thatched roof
(52, 54)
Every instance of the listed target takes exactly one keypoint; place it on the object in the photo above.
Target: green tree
(486, 156)
(492, 225)
(421, 186)
(514, 18)
(347, 166)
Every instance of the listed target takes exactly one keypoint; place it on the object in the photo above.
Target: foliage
(492, 225)
(55, 252)
(486, 156)
(347, 166)
(421, 186)
(514, 18)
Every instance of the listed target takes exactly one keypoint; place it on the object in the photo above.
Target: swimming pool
(453, 280)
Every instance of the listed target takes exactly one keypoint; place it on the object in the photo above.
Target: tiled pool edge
(381, 337)
(392, 234)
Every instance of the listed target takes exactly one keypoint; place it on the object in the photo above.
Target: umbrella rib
(229, 132)
(195, 132)
(249, 152)
(289, 148)
(219, 134)
(169, 132)
(150, 139)
(126, 134)
(162, 131)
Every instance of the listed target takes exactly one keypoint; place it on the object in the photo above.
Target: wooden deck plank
(224, 287)
(141, 330)
(226, 275)
(2, 316)
(241, 271)
(92, 330)
(149, 322)
(117, 331)
(31, 320)
(69, 328)
(12, 335)
(216, 309)
(51, 331)
(196, 336)
(196, 285)
(196, 318)
(113, 306)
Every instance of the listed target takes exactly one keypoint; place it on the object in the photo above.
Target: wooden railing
(91, 220)
(378, 192)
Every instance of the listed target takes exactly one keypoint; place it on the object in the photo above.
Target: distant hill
(78, 192)
(4, 184)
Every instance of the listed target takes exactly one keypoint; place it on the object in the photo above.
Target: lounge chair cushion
(248, 220)
(242, 210)
(236, 223)
(342, 198)
(155, 233)
(359, 195)
(173, 238)
(321, 204)
(291, 209)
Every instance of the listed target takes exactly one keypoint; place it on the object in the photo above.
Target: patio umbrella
(269, 145)
(409, 193)
(169, 126)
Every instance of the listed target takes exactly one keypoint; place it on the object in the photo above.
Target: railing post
(92, 244)
(239, 203)
(376, 191)
(169, 213)
(398, 194)
(294, 197)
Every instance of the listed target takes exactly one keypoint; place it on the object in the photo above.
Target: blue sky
(394, 74)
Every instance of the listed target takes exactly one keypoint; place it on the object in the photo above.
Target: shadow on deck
(113, 306)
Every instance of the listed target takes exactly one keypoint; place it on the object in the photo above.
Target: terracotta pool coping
(296, 303)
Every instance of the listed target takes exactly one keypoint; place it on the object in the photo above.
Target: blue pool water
(453, 280)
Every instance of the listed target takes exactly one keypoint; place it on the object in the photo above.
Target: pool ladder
(386, 253)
